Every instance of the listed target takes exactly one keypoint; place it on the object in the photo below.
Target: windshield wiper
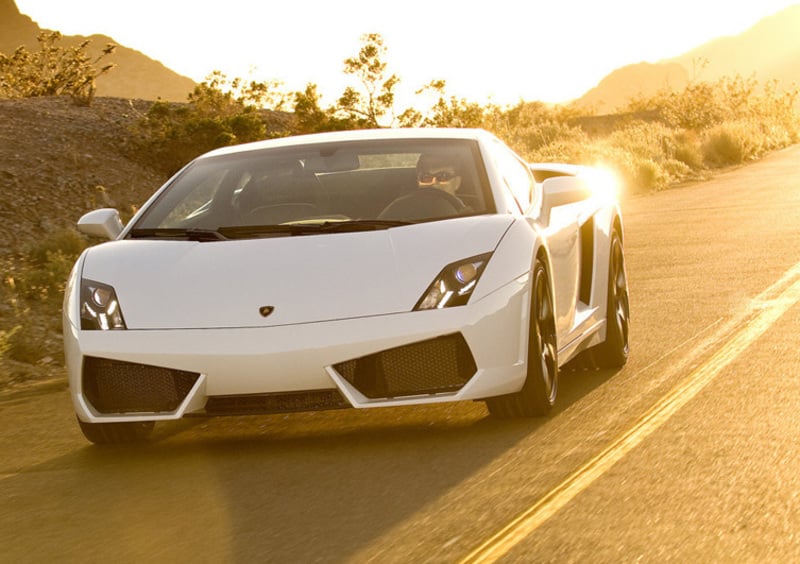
(360, 225)
(188, 234)
(244, 231)
(309, 228)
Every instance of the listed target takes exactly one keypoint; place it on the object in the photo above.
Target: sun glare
(604, 183)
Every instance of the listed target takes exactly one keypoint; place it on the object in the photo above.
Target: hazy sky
(498, 50)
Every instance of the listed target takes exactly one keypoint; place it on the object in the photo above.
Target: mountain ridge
(769, 50)
(136, 75)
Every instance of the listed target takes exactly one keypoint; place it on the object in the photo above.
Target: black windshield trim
(311, 228)
(190, 234)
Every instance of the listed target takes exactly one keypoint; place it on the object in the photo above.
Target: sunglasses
(431, 177)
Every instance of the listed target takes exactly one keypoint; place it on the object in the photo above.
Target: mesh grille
(443, 364)
(112, 386)
(312, 400)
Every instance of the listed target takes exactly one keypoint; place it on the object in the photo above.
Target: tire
(116, 433)
(538, 394)
(613, 352)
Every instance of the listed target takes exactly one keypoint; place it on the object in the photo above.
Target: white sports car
(350, 269)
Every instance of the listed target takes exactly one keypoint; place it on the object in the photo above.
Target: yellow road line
(769, 311)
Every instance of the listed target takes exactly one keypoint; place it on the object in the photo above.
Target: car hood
(169, 284)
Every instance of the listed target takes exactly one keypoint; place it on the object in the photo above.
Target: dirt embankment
(59, 160)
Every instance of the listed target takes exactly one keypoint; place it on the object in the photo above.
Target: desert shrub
(24, 343)
(528, 126)
(46, 265)
(32, 292)
(446, 112)
(219, 112)
(686, 149)
(171, 135)
(645, 174)
(676, 170)
(697, 107)
(5, 340)
(53, 70)
(559, 151)
(46, 281)
(637, 174)
(731, 144)
(773, 135)
(534, 139)
(66, 241)
(646, 140)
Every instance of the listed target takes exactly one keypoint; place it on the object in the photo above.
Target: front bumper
(462, 353)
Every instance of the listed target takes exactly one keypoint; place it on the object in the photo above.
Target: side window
(516, 176)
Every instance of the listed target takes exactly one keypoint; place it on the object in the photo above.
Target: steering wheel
(454, 201)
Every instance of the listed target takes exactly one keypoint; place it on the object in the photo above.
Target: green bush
(25, 344)
(66, 241)
(169, 136)
(46, 281)
(46, 266)
(219, 113)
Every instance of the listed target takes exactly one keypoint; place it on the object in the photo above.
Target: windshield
(324, 188)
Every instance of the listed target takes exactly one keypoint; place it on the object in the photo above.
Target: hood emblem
(266, 311)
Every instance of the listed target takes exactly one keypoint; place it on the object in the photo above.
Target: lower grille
(113, 386)
(439, 365)
(312, 400)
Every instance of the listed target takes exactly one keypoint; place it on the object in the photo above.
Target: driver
(437, 170)
(439, 176)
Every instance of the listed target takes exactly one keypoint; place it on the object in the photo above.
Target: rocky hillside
(135, 76)
(58, 161)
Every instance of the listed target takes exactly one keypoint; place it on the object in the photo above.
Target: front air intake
(113, 386)
(308, 400)
(439, 365)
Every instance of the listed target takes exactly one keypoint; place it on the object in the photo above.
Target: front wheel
(538, 394)
(116, 433)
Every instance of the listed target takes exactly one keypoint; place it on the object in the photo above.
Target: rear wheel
(116, 433)
(613, 352)
(539, 392)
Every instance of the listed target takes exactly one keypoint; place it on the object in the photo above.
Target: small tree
(356, 108)
(376, 98)
(446, 111)
(311, 118)
(53, 70)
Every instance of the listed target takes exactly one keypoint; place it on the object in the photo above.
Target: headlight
(454, 285)
(100, 307)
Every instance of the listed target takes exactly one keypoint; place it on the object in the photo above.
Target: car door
(561, 233)
(563, 239)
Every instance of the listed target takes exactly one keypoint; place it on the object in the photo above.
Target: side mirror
(560, 191)
(103, 223)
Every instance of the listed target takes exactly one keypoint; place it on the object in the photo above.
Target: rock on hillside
(135, 76)
(59, 160)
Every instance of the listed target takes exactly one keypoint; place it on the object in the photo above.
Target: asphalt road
(690, 453)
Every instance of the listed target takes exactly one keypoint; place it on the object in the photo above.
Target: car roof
(355, 135)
